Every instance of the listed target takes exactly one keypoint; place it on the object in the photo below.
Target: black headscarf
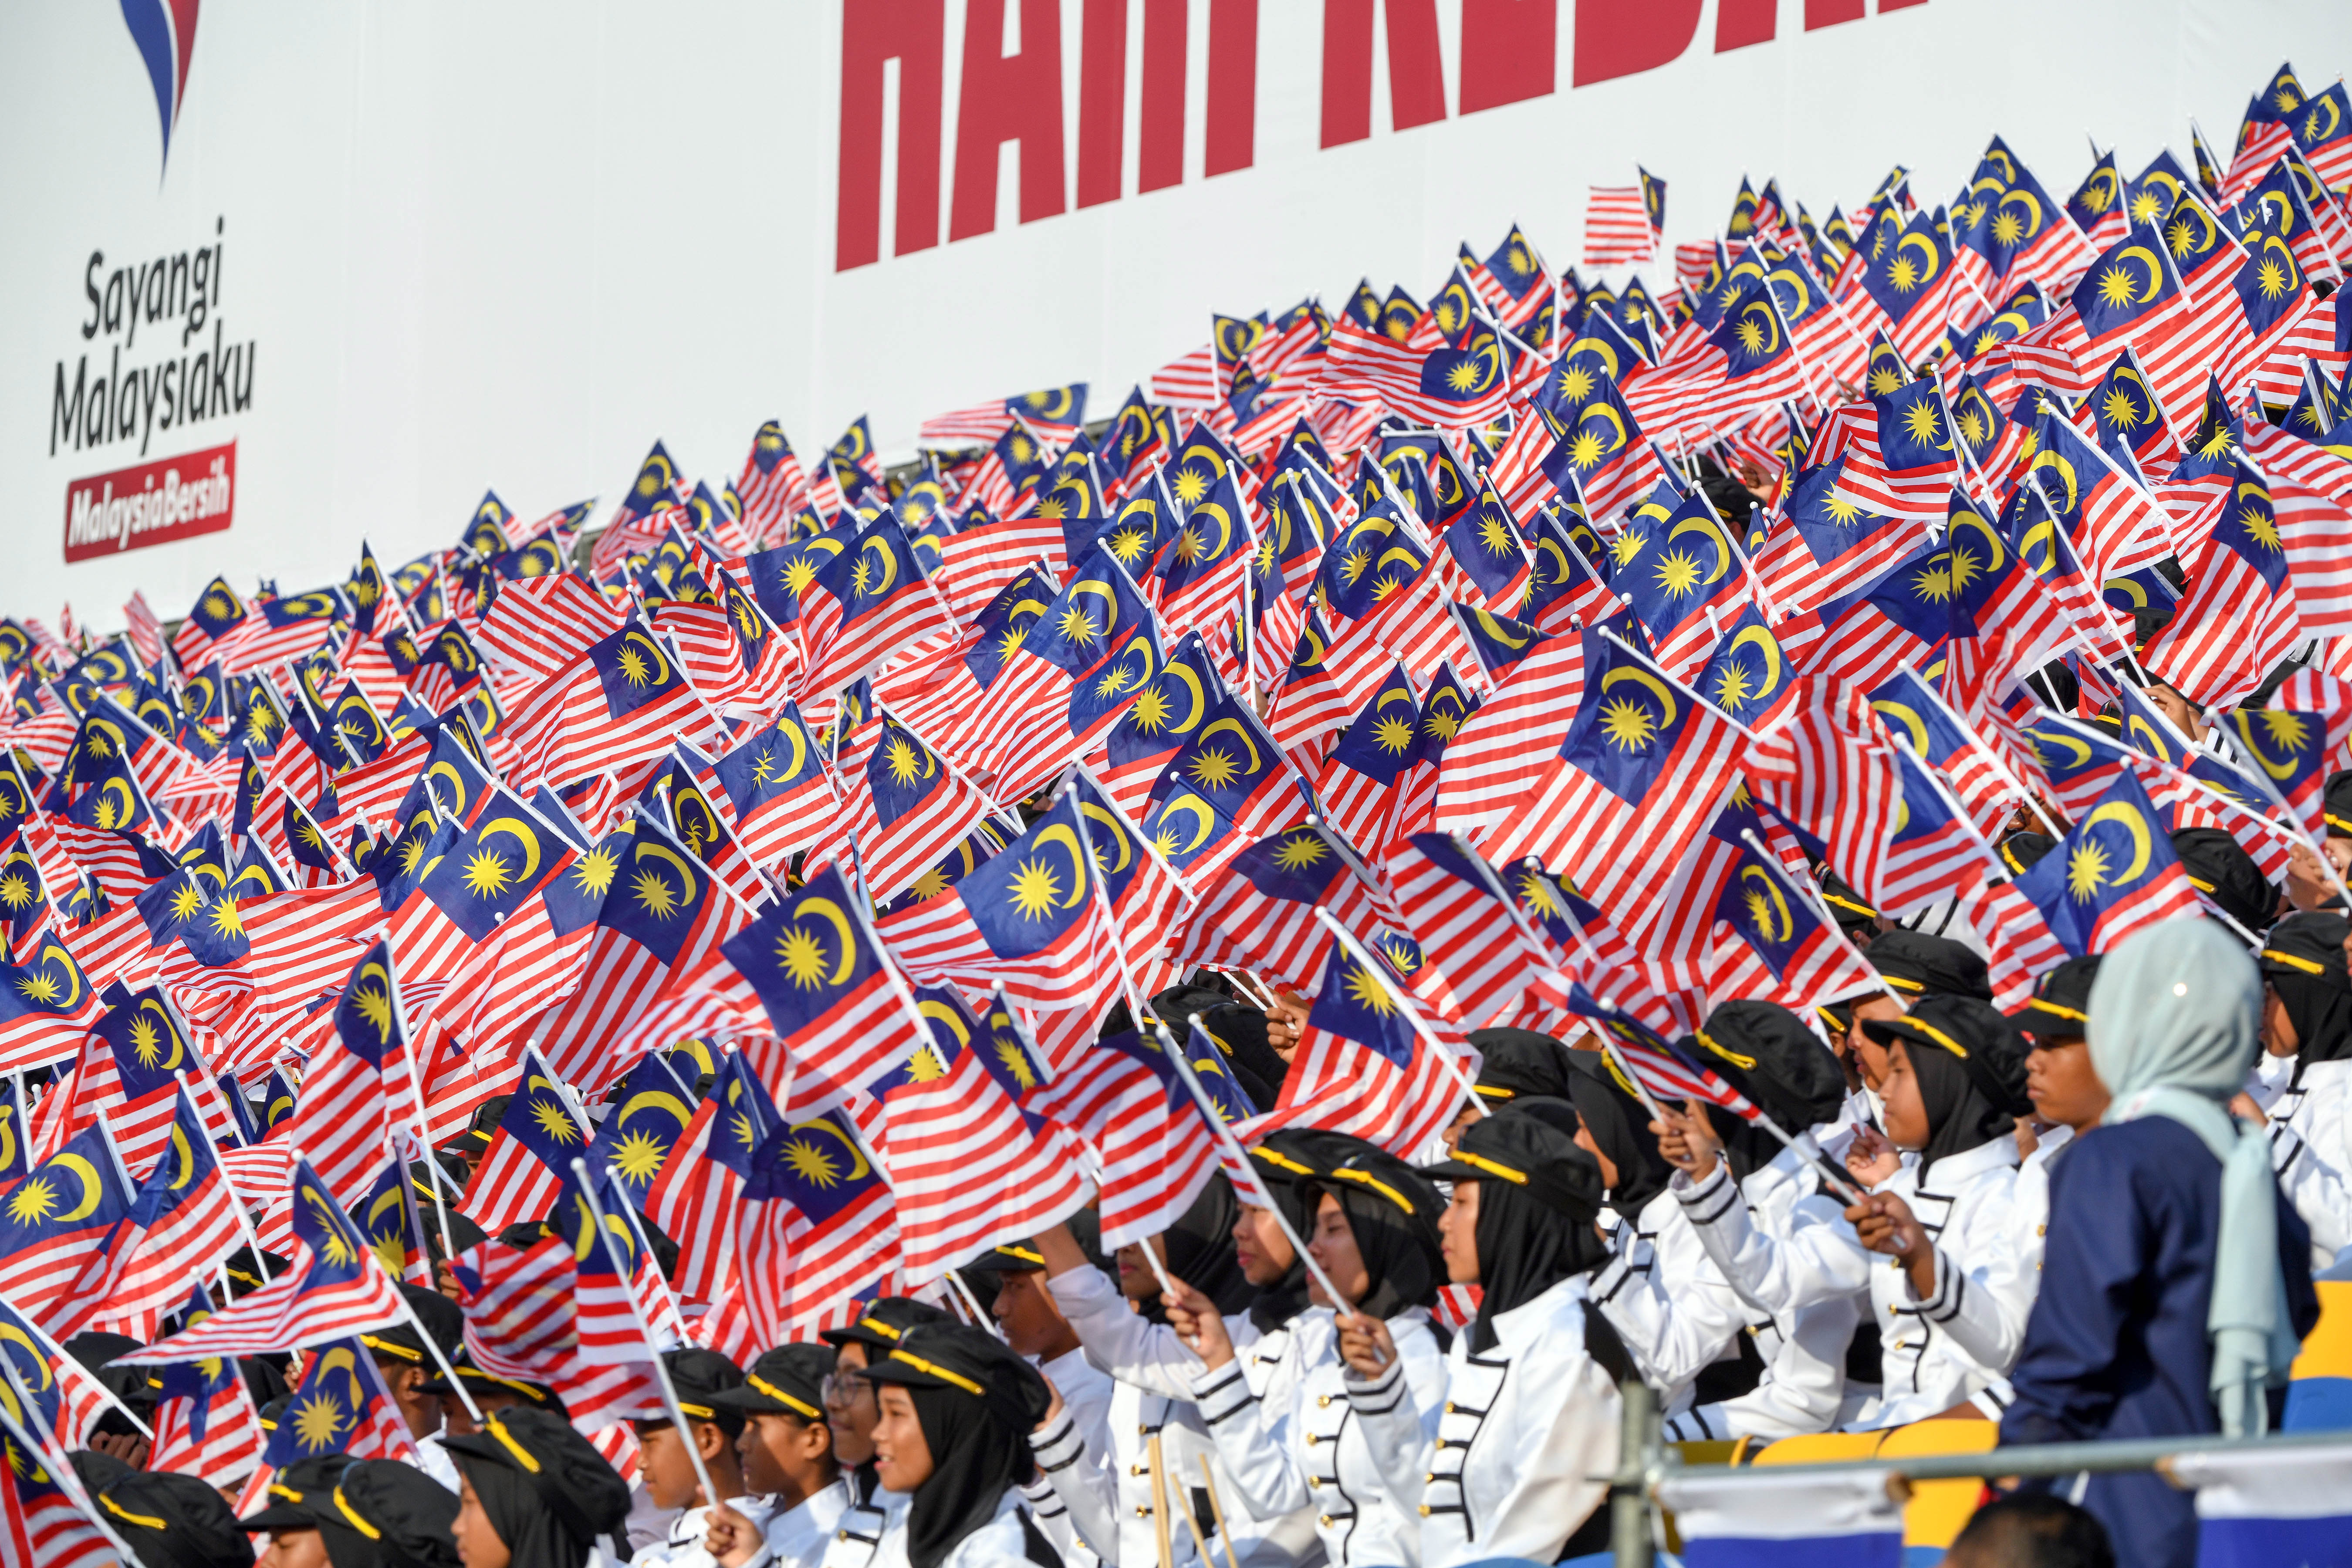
(1393, 1211)
(1537, 1196)
(545, 1488)
(1285, 1161)
(1200, 1249)
(1969, 1060)
(979, 1444)
(1620, 1125)
(2303, 959)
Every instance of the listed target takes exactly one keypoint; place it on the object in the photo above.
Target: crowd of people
(1218, 988)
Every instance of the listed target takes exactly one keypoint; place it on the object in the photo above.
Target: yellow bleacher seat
(1818, 1449)
(1938, 1509)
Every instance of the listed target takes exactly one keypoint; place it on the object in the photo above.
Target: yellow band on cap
(386, 1347)
(1023, 1254)
(2200, 884)
(289, 1493)
(119, 1511)
(879, 1327)
(700, 1412)
(1745, 1064)
(781, 1397)
(523, 1455)
(2339, 824)
(1848, 904)
(2040, 1005)
(1940, 1037)
(2294, 961)
(1900, 984)
(343, 1506)
(1492, 1167)
(919, 1364)
(1377, 1185)
(1281, 1161)
(1494, 1091)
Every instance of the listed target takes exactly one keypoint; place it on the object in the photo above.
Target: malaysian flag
(1363, 1069)
(1617, 230)
(205, 1424)
(1476, 959)
(622, 700)
(826, 983)
(873, 599)
(1121, 1095)
(181, 1224)
(343, 1123)
(334, 1288)
(522, 1322)
(54, 1221)
(45, 1006)
(339, 1405)
(1259, 914)
(530, 1155)
(694, 1197)
(2113, 873)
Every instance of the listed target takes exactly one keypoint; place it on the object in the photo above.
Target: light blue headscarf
(2176, 1016)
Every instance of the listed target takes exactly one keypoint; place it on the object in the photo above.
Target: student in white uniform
(534, 1494)
(1507, 1465)
(851, 1411)
(411, 1374)
(957, 1409)
(665, 1465)
(2307, 1017)
(1376, 1238)
(786, 1451)
(1817, 1361)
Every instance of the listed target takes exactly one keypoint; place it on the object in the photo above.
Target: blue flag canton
(1090, 618)
(1134, 534)
(902, 772)
(1183, 827)
(1671, 570)
(2249, 528)
(1912, 430)
(1901, 275)
(335, 1399)
(1486, 545)
(1215, 528)
(147, 1046)
(769, 762)
(1757, 903)
(1299, 865)
(1118, 854)
(1443, 711)
(1747, 671)
(381, 1216)
(1037, 888)
(47, 982)
(873, 568)
(650, 1111)
(1627, 725)
(486, 874)
(2132, 279)
(634, 669)
(804, 956)
(819, 1166)
(1173, 705)
(1379, 741)
(540, 1118)
(73, 1192)
(1373, 561)
(1112, 685)
(1228, 760)
(659, 892)
(1917, 719)
(2290, 747)
(367, 1015)
(1358, 1003)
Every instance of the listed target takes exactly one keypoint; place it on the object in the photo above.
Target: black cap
(1530, 1152)
(477, 1381)
(1987, 1043)
(2019, 851)
(1012, 1257)
(1513, 1062)
(2338, 804)
(401, 1343)
(1374, 1170)
(2219, 868)
(2061, 1005)
(475, 1140)
(2308, 942)
(174, 1520)
(397, 1509)
(1848, 908)
(298, 1492)
(1917, 964)
(699, 1375)
(570, 1477)
(883, 1322)
(971, 1362)
(787, 1381)
(1301, 1154)
(244, 1276)
(1766, 1053)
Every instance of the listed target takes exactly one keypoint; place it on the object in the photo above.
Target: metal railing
(1645, 1461)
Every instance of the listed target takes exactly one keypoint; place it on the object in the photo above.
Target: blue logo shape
(165, 32)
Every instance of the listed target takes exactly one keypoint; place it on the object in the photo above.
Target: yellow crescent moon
(1064, 835)
(947, 1015)
(1911, 725)
(1765, 644)
(73, 974)
(1795, 278)
(2045, 532)
(1714, 530)
(1779, 901)
(203, 869)
(520, 835)
(826, 910)
(695, 838)
(1603, 409)
(1771, 324)
(663, 1099)
(889, 566)
(700, 1051)
(2137, 825)
(654, 648)
(91, 1187)
(2241, 721)
(269, 1115)
(791, 730)
(11, 1335)
(1601, 350)
(1201, 812)
(1658, 688)
(120, 787)
(2131, 590)
(2081, 747)
(179, 1046)
(1198, 706)
(1235, 726)
(661, 853)
(1553, 548)
(858, 1168)
(2155, 270)
(2286, 258)
(2027, 199)
(1493, 628)
(2064, 469)
(1933, 264)
(1992, 539)
(1118, 836)
(7, 1137)
(1143, 639)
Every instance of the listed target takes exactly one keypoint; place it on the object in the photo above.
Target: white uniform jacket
(1671, 1306)
(877, 1538)
(683, 1548)
(797, 1537)
(1504, 1467)
(2311, 1150)
(1803, 1347)
(1310, 1453)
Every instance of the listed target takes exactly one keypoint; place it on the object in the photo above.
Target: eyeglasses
(843, 1389)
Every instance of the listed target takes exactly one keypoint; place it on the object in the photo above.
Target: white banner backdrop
(401, 252)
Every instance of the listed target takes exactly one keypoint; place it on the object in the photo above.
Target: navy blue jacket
(2117, 1345)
